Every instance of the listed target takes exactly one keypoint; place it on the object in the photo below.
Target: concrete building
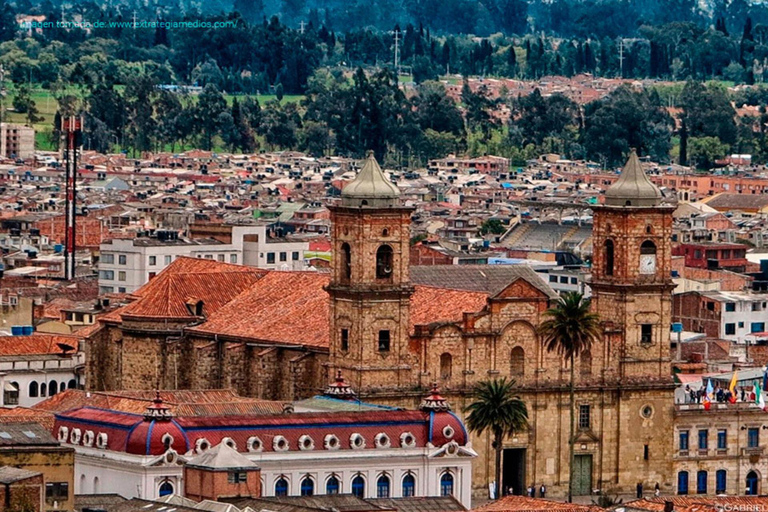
(16, 141)
(735, 316)
(38, 366)
(29, 447)
(128, 264)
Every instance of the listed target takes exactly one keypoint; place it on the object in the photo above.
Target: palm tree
(569, 330)
(498, 409)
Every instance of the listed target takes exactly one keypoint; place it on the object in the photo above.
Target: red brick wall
(200, 484)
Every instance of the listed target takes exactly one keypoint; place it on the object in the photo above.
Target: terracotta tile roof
(52, 309)
(490, 279)
(293, 308)
(167, 295)
(430, 304)
(526, 504)
(89, 233)
(703, 503)
(23, 415)
(35, 344)
(220, 402)
(283, 307)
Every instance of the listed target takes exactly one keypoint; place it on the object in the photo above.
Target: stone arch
(608, 257)
(345, 270)
(518, 334)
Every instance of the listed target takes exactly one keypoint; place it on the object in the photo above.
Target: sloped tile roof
(490, 279)
(293, 308)
(35, 344)
(526, 504)
(167, 295)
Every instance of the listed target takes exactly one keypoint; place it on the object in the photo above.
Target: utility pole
(3, 92)
(621, 58)
(397, 54)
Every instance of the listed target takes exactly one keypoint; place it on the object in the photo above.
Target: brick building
(713, 256)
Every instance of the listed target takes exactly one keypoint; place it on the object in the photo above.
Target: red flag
(707, 405)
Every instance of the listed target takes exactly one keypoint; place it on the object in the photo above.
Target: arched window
(53, 388)
(682, 483)
(307, 486)
(62, 387)
(701, 482)
(166, 488)
(384, 262)
(446, 366)
(517, 363)
(358, 486)
(648, 247)
(409, 486)
(721, 479)
(34, 389)
(95, 485)
(752, 480)
(72, 384)
(346, 262)
(332, 485)
(446, 484)
(382, 487)
(281, 487)
(608, 253)
(43, 389)
(586, 363)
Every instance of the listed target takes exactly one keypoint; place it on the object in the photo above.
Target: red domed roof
(146, 438)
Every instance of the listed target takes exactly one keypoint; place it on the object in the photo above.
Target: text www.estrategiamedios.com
(128, 24)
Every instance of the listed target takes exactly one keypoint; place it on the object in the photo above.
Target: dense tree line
(347, 116)
(669, 39)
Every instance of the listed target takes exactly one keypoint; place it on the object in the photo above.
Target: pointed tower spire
(633, 187)
(371, 187)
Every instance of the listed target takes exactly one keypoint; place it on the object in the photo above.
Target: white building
(128, 264)
(350, 448)
(38, 366)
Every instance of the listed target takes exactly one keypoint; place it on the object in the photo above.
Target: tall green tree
(210, 105)
(497, 409)
(570, 329)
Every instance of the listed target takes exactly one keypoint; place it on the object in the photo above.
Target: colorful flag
(759, 397)
(732, 387)
(710, 389)
(706, 399)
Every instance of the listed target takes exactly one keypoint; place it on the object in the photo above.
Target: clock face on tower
(647, 263)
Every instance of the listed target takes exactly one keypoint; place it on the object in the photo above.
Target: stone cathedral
(392, 330)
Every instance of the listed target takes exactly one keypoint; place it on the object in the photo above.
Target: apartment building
(16, 141)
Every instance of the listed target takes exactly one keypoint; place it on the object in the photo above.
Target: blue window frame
(722, 439)
(358, 486)
(307, 486)
(332, 486)
(382, 487)
(684, 440)
(721, 481)
(753, 438)
(757, 327)
(281, 487)
(446, 484)
(682, 483)
(703, 439)
(409, 486)
(701, 482)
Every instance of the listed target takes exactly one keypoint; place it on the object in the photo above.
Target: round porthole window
(356, 441)
(254, 444)
(306, 443)
(448, 431)
(646, 411)
(331, 442)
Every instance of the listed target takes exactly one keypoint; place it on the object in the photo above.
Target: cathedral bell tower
(370, 291)
(631, 278)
